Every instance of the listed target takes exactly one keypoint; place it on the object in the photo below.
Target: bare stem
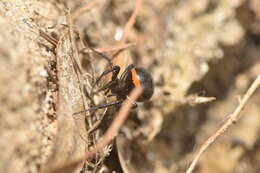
(83, 9)
(116, 124)
(234, 117)
(131, 20)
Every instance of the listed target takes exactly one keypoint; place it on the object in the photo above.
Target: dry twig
(83, 9)
(131, 20)
(233, 118)
(195, 99)
(116, 124)
(118, 58)
(108, 49)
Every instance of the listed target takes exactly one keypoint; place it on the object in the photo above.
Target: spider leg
(114, 70)
(117, 102)
(124, 74)
(107, 86)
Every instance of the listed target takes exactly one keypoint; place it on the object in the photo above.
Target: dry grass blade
(234, 117)
(83, 9)
(69, 144)
(80, 119)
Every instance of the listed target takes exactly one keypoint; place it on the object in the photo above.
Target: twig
(233, 118)
(116, 124)
(131, 20)
(83, 9)
(108, 49)
(50, 39)
(117, 56)
(194, 100)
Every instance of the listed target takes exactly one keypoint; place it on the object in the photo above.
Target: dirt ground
(193, 50)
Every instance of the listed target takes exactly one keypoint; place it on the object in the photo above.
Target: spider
(122, 86)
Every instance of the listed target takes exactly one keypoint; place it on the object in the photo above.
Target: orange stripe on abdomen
(135, 78)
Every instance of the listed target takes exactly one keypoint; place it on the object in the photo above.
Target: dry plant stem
(131, 21)
(232, 118)
(117, 58)
(116, 124)
(50, 39)
(83, 9)
(108, 49)
(194, 100)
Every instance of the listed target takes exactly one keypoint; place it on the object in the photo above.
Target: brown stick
(50, 39)
(131, 20)
(108, 49)
(117, 58)
(233, 118)
(116, 124)
(83, 9)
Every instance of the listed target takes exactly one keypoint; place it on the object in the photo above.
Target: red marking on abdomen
(135, 79)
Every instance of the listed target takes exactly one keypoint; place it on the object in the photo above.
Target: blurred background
(207, 48)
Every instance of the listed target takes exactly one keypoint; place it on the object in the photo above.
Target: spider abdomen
(140, 77)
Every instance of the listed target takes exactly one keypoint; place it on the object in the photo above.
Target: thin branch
(233, 118)
(50, 39)
(194, 100)
(83, 9)
(131, 20)
(117, 56)
(116, 124)
(108, 49)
